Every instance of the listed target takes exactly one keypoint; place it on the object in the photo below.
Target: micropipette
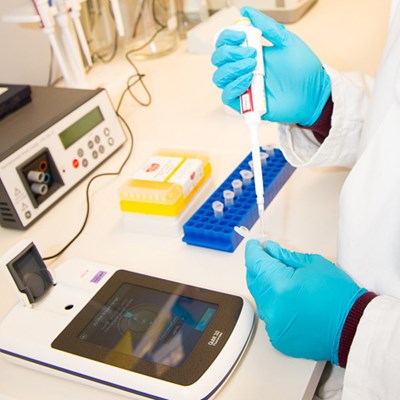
(258, 178)
(253, 106)
(75, 11)
(48, 25)
(117, 17)
(68, 39)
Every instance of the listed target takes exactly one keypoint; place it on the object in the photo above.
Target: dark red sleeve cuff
(350, 326)
(322, 126)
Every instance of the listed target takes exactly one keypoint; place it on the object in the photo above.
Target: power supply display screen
(81, 127)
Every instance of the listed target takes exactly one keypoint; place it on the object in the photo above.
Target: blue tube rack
(205, 230)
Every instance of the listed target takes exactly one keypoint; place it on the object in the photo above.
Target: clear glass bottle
(151, 28)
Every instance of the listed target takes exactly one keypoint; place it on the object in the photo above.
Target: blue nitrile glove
(296, 84)
(304, 299)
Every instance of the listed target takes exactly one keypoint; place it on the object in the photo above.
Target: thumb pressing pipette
(253, 106)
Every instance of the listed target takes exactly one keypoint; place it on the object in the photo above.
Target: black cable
(139, 78)
(154, 35)
(136, 24)
(107, 58)
(148, 42)
(155, 16)
(88, 187)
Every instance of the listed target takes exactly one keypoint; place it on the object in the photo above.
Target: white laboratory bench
(186, 113)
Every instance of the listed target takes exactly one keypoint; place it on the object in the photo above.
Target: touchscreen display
(150, 324)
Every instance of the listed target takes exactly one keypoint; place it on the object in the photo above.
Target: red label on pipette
(246, 101)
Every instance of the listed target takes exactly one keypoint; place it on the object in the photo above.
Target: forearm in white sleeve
(373, 363)
(351, 93)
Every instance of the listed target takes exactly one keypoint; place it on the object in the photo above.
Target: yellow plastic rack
(166, 183)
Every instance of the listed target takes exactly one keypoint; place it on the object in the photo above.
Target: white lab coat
(365, 136)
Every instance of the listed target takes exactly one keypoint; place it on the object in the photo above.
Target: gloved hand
(304, 299)
(296, 84)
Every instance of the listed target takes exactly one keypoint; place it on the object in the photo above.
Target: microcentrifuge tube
(264, 158)
(228, 197)
(251, 165)
(218, 209)
(269, 149)
(247, 176)
(237, 187)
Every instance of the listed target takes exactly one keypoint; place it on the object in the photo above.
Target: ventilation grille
(8, 216)
(6, 213)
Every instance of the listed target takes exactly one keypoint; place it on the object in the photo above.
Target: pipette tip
(262, 220)
(246, 234)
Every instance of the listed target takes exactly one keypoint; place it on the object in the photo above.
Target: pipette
(75, 12)
(48, 25)
(68, 39)
(118, 17)
(253, 106)
(258, 178)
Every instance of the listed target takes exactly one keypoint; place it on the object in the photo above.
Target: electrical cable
(154, 12)
(107, 58)
(139, 78)
(148, 42)
(132, 81)
(87, 192)
(136, 25)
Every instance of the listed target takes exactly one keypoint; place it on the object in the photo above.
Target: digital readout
(81, 127)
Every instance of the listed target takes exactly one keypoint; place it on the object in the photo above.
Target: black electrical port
(40, 176)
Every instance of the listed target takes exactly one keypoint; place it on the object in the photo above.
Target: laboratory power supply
(49, 145)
